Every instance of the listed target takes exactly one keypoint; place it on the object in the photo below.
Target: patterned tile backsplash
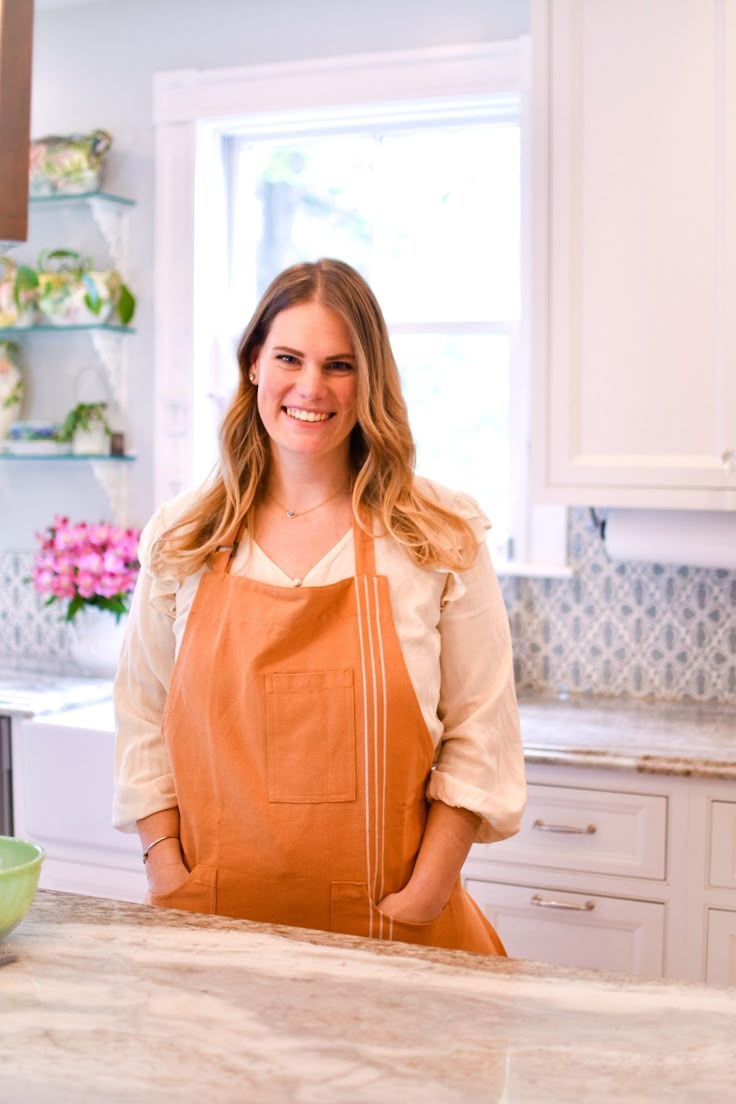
(29, 631)
(638, 629)
(643, 630)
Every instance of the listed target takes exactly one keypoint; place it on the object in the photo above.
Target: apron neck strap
(365, 554)
(225, 553)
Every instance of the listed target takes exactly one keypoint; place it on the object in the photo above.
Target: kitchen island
(119, 1002)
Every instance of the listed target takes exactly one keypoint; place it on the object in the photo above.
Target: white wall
(94, 66)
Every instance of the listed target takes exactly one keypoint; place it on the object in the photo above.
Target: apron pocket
(354, 913)
(311, 736)
(195, 894)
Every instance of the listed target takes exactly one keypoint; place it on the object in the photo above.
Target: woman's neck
(301, 483)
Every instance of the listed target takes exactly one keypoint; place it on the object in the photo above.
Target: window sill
(509, 568)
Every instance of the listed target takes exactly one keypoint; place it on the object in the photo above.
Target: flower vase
(96, 639)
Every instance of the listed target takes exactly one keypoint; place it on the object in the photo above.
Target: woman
(311, 632)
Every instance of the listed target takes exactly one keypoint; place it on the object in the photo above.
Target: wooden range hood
(16, 49)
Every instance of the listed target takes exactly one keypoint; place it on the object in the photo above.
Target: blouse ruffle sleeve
(143, 780)
(480, 762)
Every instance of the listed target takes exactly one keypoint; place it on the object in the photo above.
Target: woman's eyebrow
(299, 353)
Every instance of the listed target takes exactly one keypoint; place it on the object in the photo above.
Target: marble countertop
(27, 693)
(118, 1002)
(684, 738)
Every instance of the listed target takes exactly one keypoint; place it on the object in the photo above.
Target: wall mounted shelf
(106, 209)
(110, 473)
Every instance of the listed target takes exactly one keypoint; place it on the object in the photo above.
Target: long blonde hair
(382, 449)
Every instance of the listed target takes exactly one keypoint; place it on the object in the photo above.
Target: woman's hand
(165, 878)
(448, 834)
(406, 905)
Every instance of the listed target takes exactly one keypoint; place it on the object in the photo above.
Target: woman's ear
(253, 368)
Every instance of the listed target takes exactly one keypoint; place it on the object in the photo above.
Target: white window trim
(192, 108)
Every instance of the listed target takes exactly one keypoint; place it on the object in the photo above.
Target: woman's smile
(307, 415)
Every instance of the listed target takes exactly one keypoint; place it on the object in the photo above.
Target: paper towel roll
(690, 538)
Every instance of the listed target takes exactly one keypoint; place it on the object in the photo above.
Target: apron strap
(225, 553)
(365, 553)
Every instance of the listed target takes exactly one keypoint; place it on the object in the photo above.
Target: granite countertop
(684, 738)
(118, 1002)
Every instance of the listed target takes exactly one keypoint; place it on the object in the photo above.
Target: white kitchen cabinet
(723, 844)
(634, 253)
(62, 800)
(587, 931)
(630, 872)
(603, 831)
(721, 960)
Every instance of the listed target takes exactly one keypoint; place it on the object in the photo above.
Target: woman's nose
(310, 380)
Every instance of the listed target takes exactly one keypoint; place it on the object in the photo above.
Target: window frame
(193, 110)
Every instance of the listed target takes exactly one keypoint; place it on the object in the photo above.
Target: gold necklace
(301, 513)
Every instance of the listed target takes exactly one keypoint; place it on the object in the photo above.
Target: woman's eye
(340, 366)
(286, 358)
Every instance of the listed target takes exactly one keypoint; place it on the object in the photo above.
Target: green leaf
(74, 607)
(126, 304)
(26, 279)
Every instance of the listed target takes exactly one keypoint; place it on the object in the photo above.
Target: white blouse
(454, 635)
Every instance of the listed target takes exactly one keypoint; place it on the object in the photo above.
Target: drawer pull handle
(569, 828)
(540, 902)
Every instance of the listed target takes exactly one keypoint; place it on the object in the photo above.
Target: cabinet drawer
(595, 831)
(723, 844)
(720, 967)
(581, 930)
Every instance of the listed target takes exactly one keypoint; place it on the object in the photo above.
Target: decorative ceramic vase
(68, 164)
(94, 441)
(96, 639)
(11, 386)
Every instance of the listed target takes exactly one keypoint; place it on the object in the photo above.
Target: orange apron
(300, 759)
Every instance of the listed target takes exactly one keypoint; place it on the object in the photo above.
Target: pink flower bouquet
(88, 565)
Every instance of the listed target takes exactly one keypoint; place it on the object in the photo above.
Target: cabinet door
(720, 966)
(62, 800)
(581, 930)
(723, 844)
(635, 252)
(598, 831)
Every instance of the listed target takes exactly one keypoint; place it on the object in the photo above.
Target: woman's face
(307, 382)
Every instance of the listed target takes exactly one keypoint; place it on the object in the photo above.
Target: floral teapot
(68, 165)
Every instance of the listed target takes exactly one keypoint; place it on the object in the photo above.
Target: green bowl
(20, 869)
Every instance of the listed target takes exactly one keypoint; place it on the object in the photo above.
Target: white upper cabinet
(634, 252)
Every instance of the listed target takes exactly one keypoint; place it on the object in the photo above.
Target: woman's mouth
(305, 415)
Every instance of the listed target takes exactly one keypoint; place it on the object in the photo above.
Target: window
(409, 166)
(429, 212)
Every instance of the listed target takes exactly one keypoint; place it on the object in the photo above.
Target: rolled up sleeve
(480, 761)
(143, 780)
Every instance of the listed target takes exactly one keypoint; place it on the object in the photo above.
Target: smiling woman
(318, 628)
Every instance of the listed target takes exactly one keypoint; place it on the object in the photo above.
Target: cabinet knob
(728, 460)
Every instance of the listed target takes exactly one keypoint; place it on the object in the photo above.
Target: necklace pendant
(291, 513)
